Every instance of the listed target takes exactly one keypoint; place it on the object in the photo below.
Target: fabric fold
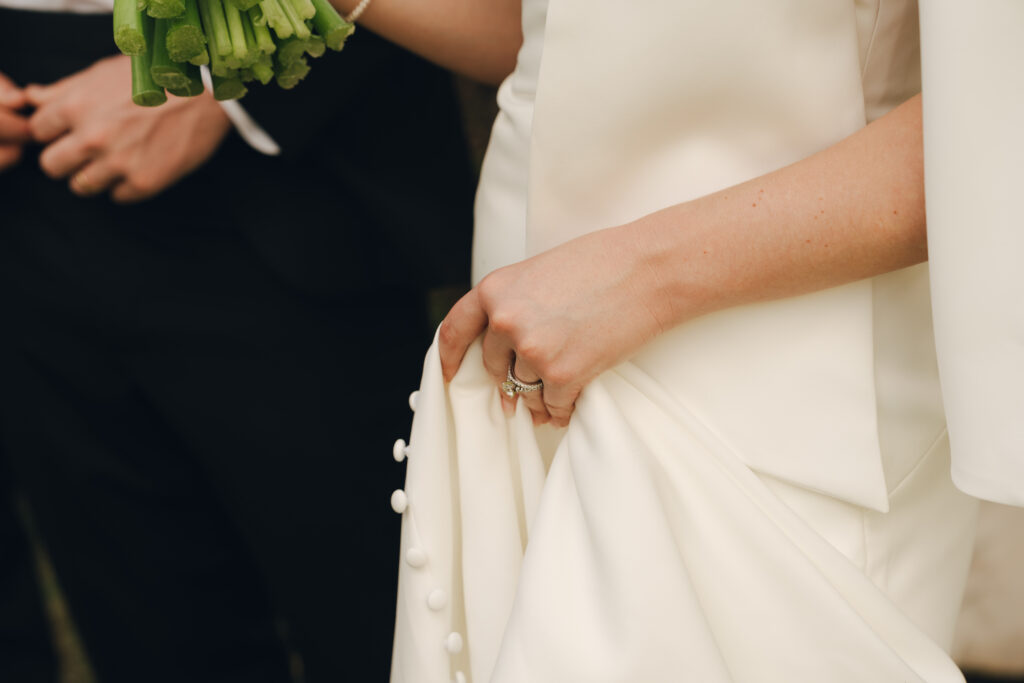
(653, 551)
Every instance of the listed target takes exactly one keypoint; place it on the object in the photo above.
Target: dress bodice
(881, 37)
(500, 237)
(760, 494)
(609, 117)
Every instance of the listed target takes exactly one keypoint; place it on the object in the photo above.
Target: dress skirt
(645, 549)
(761, 494)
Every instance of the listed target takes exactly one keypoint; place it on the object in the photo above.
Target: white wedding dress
(762, 494)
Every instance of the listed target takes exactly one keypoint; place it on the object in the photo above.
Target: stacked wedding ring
(513, 385)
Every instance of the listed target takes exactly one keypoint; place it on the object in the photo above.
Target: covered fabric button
(453, 643)
(399, 450)
(437, 599)
(415, 557)
(399, 501)
(460, 677)
(413, 398)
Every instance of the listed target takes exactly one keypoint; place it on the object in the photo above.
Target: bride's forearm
(571, 312)
(476, 39)
(852, 211)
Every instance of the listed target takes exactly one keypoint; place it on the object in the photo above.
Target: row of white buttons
(416, 558)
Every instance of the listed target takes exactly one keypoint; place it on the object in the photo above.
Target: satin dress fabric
(762, 494)
(974, 141)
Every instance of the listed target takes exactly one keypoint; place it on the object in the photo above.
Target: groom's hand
(14, 130)
(95, 136)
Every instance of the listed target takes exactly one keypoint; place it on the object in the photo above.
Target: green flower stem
(193, 87)
(264, 41)
(330, 25)
(166, 73)
(129, 33)
(298, 25)
(216, 25)
(145, 92)
(185, 37)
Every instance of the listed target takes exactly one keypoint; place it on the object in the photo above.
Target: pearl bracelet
(358, 11)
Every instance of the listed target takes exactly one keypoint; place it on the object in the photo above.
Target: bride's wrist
(671, 273)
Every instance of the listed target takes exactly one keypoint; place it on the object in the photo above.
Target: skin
(98, 139)
(477, 39)
(852, 211)
(14, 130)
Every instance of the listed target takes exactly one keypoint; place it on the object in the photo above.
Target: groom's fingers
(13, 128)
(9, 155)
(464, 323)
(11, 96)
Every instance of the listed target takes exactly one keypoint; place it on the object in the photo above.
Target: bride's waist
(789, 385)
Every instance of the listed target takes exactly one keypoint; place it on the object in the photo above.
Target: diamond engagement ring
(513, 385)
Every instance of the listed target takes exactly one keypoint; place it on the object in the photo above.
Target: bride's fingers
(534, 400)
(497, 352)
(560, 402)
(464, 323)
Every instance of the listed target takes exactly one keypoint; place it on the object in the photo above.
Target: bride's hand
(852, 211)
(564, 315)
